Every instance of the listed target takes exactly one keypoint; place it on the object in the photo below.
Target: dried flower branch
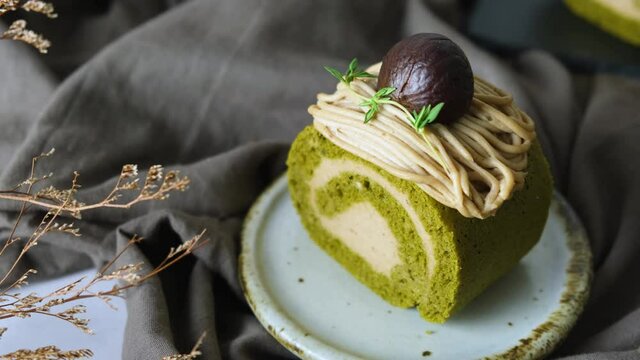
(47, 225)
(28, 183)
(41, 7)
(8, 6)
(130, 275)
(18, 29)
(47, 353)
(195, 351)
(57, 202)
(156, 186)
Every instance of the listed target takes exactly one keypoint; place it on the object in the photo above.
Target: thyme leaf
(426, 115)
(352, 73)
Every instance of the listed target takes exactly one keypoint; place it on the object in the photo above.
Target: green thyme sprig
(418, 119)
(425, 116)
(380, 97)
(421, 119)
(352, 73)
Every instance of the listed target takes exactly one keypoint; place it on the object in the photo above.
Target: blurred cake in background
(620, 18)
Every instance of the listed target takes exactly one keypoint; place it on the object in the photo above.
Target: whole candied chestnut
(427, 69)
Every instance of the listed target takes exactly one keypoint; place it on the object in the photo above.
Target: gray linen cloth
(218, 89)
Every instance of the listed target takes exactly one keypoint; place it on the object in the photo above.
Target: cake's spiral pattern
(485, 151)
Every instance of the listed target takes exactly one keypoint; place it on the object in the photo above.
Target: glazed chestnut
(427, 69)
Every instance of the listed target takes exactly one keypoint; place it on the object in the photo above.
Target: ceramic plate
(316, 309)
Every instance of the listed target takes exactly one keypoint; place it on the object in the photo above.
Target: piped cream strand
(485, 151)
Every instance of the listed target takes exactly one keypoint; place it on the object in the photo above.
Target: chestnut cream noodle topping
(485, 151)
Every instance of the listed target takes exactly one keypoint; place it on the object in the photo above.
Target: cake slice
(425, 182)
(401, 243)
(620, 18)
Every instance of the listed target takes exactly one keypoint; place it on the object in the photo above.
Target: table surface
(107, 324)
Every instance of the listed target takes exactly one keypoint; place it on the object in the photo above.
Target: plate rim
(539, 343)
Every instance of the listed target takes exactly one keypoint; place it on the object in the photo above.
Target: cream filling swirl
(485, 151)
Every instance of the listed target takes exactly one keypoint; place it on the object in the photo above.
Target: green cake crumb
(470, 253)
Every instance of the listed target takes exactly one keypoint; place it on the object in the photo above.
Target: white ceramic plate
(316, 309)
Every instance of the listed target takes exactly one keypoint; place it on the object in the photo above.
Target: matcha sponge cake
(425, 192)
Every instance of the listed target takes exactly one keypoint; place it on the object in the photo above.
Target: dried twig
(63, 202)
(57, 201)
(47, 353)
(28, 183)
(195, 351)
(130, 275)
(18, 29)
(156, 186)
(8, 6)
(41, 7)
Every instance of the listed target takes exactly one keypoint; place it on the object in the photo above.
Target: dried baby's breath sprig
(8, 5)
(185, 246)
(32, 179)
(47, 353)
(28, 184)
(18, 31)
(58, 202)
(195, 351)
(68, 228)
(126, 273)
(70, 315)
(23, 280)
(41, 7)
(47, 224)
(130, 275)
(156, 186)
